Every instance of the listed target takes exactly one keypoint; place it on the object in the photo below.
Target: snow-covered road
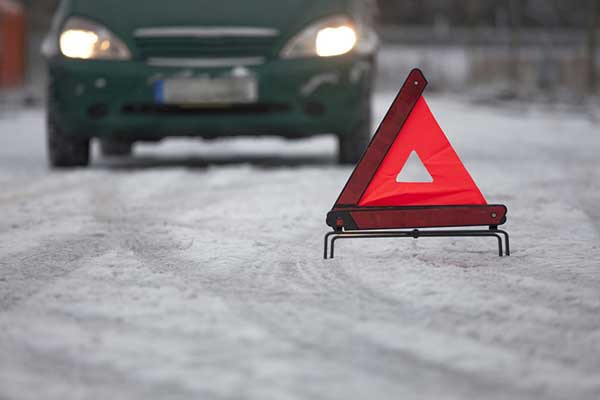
(195, 271)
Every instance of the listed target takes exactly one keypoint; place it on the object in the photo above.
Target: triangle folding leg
(375, 203)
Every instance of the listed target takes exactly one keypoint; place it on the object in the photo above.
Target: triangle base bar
(493, 232)
(367, 218)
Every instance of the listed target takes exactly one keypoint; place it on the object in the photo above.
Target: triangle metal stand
(493, 232)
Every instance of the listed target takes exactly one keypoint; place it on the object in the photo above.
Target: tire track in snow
(25, 273)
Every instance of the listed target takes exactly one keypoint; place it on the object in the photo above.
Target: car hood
(126, 16)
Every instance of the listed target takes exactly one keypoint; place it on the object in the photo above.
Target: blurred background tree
(470, 13)
(592, 40)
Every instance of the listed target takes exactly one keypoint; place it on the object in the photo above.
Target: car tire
(352, 145)
(115, 148)
(64, 151)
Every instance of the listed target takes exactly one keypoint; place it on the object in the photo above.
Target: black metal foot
(506, 240)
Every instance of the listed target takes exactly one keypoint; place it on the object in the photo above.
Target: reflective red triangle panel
(452, 184)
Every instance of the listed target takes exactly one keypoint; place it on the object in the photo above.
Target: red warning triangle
(452, 184)
(379, 199)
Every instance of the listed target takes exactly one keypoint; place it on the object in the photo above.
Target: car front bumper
(296, 98)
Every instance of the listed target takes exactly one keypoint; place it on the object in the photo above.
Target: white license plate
(227, 90)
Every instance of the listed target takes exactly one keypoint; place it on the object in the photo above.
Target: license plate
(228, 90)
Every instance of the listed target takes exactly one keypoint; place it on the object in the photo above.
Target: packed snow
(195, 270)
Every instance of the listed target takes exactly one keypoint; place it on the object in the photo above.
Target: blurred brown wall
(12, 44)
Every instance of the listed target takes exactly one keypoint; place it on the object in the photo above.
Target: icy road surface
(195, 271)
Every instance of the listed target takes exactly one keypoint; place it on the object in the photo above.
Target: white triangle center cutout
(414, 171)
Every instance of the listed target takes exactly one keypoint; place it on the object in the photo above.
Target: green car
(144, 70)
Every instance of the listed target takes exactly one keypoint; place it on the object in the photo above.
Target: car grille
(213, 47)
(234, 109)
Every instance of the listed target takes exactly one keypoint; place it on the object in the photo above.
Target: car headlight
(333, 36)
(84, 39)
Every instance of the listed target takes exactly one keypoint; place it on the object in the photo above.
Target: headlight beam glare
(76, 43)
(335, 41)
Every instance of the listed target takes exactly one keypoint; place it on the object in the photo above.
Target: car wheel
(115, 148)
(352, 145)
(65, 151)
